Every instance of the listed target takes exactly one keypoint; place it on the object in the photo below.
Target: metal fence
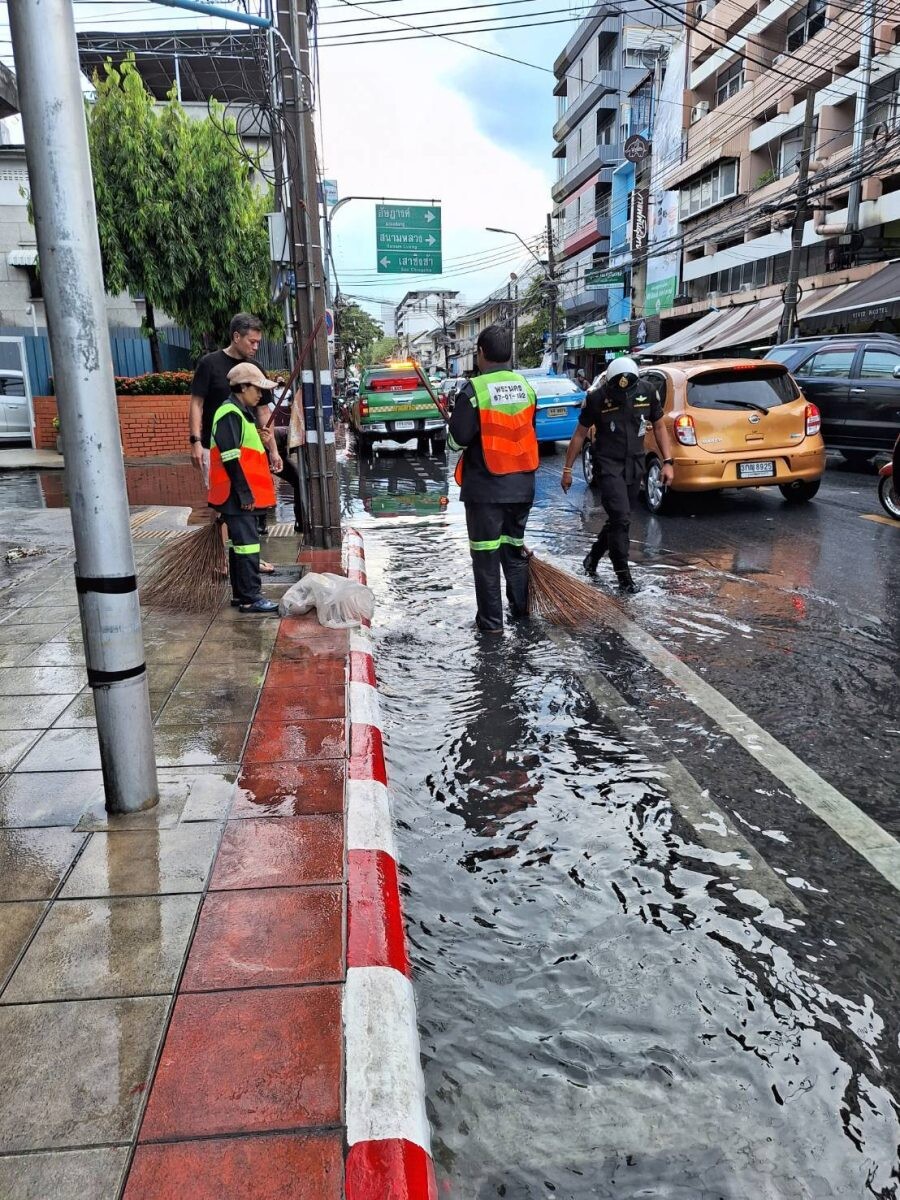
(131, 354)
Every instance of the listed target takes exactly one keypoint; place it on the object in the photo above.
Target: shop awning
(23, 256)
(575, 338)
(741, 325)
(874, 299)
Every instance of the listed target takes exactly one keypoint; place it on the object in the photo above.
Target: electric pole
(551, 273)
(302, 215)
(791, 292)
(65, 222)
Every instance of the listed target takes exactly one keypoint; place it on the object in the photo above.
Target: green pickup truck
(393, 405)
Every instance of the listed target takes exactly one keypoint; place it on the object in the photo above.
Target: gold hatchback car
(735, 423)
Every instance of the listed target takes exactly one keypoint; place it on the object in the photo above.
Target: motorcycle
(887, 493)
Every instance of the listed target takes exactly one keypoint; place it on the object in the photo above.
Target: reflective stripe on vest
(506, 404)
(253, 459)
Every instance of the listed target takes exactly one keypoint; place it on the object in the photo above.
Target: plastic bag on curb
(339, 602)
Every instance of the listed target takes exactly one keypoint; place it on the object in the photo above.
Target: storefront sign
(640, 220)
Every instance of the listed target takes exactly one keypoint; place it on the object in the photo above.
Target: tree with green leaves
(536, 304)
(379, 351)
(355, 331)
(180, 221)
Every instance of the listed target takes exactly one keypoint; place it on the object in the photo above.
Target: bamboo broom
(189, 574)
(553, 594)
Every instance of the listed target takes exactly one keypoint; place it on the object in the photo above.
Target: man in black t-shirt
(619, 409)
(210, 387)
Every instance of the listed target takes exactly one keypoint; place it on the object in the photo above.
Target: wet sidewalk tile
(276, 936)
(54, 654)
(186, 794)
(80, 713)
(176, 746)
(145, 862)
(64, 1174)
(31, 712)
(92, 948)
(290, 704)
(14, 744)
(17, 921)
(187, 708)
(74, 1073)
(275, 1166)
(54, 798)
(33, 861)
(41, 681)
(245, 1061)
(287, 853)
(290, 789)
(275, 741)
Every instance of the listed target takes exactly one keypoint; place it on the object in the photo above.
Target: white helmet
(622, 372)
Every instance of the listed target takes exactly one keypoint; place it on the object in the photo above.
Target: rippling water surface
(619, 994)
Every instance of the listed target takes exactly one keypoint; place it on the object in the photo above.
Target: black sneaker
(590, 560)
(627, 586)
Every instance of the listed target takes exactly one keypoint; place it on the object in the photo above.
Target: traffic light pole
(65, 220)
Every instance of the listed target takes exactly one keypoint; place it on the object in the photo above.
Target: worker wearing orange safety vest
(240, 482)
(493, 424)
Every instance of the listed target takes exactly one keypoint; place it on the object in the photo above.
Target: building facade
(750, 68)
(422, 311)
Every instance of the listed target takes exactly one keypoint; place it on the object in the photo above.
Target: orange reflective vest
(253, 459)
(506, 404)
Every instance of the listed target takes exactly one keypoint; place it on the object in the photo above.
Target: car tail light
(813, 420)
(685, 430)
(363, 407)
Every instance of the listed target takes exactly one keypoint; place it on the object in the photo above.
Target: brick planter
(150, 425)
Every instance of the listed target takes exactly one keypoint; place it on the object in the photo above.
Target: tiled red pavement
(256, 1060)
(289, 789)
(287, 704)
(273, 936)
(277, 741)
(274, 1166)
(288, 853)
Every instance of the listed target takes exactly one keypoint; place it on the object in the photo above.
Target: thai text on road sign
(408, 239)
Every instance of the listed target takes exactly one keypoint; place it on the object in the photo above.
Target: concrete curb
(388, 1138)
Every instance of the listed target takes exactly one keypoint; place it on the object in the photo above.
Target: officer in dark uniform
(619, 410)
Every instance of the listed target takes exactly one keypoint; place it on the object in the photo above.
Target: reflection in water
(615, 1001)
(398, 484)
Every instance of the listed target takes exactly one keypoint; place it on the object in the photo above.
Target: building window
(884, 105)
(607, 61)
(35, 286)
(805, 24)
(606, 130)
(789, 150)
(744, 278)
(709, 189)
(730, 81)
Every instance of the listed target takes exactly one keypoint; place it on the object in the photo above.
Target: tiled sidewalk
(171, 980)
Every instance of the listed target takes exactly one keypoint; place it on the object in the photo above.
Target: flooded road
(645, 964)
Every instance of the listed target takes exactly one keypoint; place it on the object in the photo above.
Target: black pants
(617, 497)
(243, 556)
(497, 540)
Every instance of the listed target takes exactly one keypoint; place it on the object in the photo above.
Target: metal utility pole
(293, 63)
(514, 279)
(551, 272)
(791, 292)
(65, 219)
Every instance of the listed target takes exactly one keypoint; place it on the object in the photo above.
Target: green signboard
(408, 239)
(660, 295)
(604, 279)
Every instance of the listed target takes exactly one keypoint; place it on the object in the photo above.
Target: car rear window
(554, 387)
(781, 354)
(759, 387)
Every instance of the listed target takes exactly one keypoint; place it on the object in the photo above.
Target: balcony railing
(601, 157)
(601, 92)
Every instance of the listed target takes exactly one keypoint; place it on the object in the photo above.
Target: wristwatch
(668, 462)
(193, 439)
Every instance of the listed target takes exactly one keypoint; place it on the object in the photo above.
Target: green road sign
(408, 239)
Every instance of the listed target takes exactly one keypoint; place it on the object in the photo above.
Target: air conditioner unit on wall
(699, 111)
(702, 8)
(779, 58)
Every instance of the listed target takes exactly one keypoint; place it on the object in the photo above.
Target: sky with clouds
(424, 117)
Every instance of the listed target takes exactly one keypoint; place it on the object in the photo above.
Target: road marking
(683, 791)
(881, 520)
(850, 823)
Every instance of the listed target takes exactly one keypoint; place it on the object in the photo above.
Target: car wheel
(800, 491)
(858, 459)
(890, 501)
(587, 465)
(656, 494)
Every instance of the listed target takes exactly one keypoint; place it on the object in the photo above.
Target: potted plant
(56, 429)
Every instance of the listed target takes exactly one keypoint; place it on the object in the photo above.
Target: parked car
(394, 405)
(734, 423)
(559, 403)
(15, 418)
(854, 380)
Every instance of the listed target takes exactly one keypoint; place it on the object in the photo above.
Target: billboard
(664, 261)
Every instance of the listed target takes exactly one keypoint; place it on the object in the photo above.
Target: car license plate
(404, 425)
(753, 470)
(557, 412)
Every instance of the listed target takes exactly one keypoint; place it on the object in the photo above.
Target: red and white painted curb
(388, 1138)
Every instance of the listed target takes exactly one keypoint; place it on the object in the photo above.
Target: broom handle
(297, 366)
(438, 403)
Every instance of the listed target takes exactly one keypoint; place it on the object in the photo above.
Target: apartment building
(750, 67)
(421, 311)
(603, 85)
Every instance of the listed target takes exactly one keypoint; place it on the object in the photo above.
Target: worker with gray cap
(240, 482)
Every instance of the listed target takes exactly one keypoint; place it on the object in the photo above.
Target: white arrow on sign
(429, 216)
(431, 240)
(385, 262)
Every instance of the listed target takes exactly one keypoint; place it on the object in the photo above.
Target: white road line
(850, 823)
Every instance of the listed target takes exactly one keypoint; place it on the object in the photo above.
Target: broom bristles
(187, 574)
(562, 599)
